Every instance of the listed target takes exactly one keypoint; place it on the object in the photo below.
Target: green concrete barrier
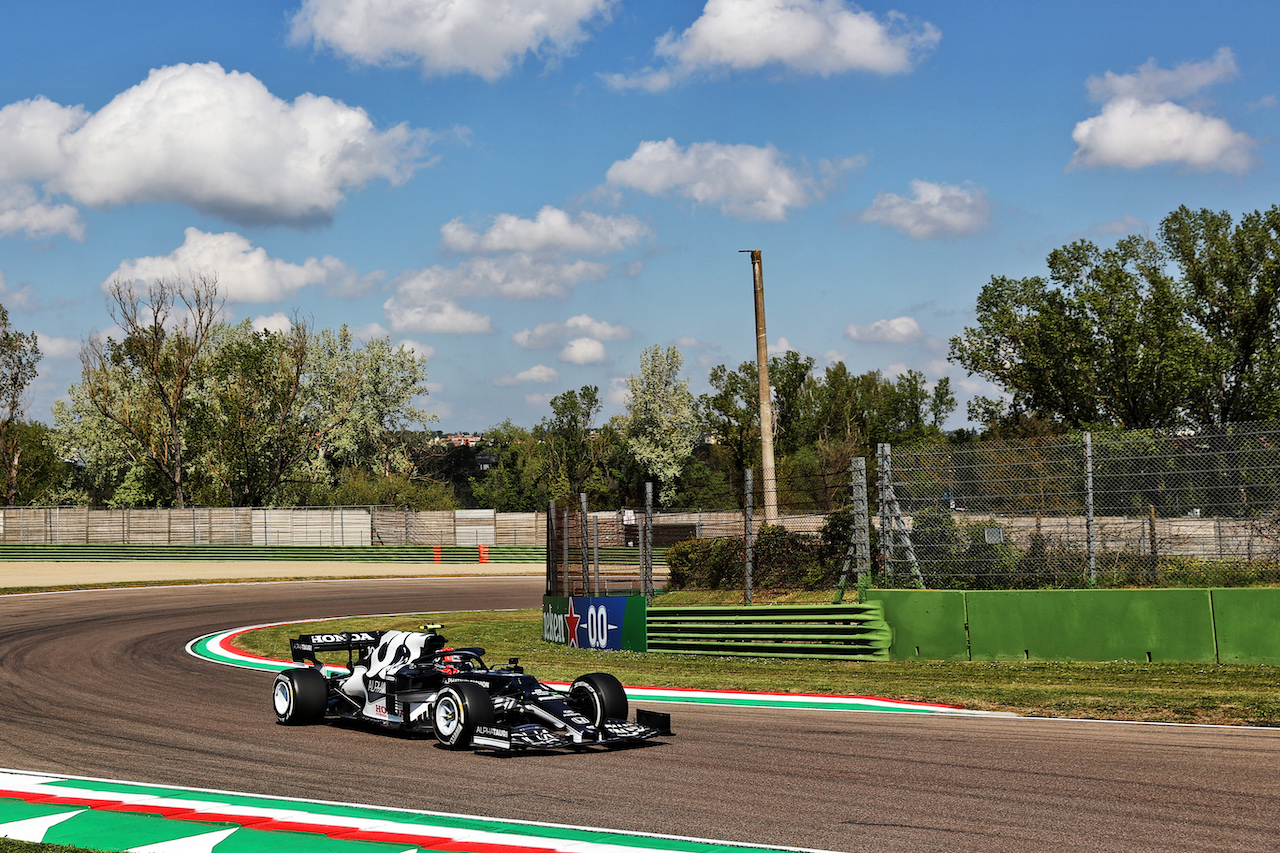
(1092, 625)
(926, 624)
(1159, 625)
(1247, 625)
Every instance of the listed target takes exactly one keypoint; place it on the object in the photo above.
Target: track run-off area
(99, 685)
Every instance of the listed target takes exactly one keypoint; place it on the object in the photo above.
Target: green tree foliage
(1113, 338)
(836, 415)
(516, 479)
(249, 435)
(1231, 296)
(661, 426)
(233, 415)
(142, 384)
(580, 458)
(732, 413)
(19, 354)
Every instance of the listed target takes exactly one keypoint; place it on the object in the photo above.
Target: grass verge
(1175, 693)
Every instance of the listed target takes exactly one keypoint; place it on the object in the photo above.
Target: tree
(1231, 294)
(516, 481)
(142, 384)
(578, 454)
(732, 413)
(1103, 341)
(942, 402)
(790, 376)
(19, 355)
(662, 427)
(248, 431)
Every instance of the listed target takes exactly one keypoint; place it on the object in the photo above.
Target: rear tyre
(299, 696)
(458, 709)
(598, 696)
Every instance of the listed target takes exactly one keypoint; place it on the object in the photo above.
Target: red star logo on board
(573, 619)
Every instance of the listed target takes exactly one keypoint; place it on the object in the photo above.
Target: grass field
(1176, 693)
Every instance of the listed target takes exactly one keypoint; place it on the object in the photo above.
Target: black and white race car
(411, 681)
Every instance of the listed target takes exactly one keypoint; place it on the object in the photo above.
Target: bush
(706, 564)
(781, 560)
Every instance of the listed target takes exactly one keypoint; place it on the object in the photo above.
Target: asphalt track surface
(97, 683)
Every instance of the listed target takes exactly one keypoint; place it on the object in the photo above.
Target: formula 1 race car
(411, 681)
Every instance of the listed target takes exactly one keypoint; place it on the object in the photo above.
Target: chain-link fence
(778, 537)
(1147, 508)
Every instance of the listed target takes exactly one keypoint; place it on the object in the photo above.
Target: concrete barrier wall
(1161, 625)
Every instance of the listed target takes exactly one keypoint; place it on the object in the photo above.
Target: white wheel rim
(282, 697)
(447, 716)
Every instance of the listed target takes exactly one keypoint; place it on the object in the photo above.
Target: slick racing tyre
(598, 696)
(299, 696)
(457, 711)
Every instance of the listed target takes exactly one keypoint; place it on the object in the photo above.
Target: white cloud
(277, 322)
(1123, 225)
(538, 400)
(538, 373)
(583, 351)
(807, 36)
(744, 181)
(1131, 134)
(482, 37)
(899, 330)
(548, 335)
(24, 298)
(427, 300)
(1152, 83)
(216, 141)
(617, 394)
(52, 346)
(32, 132)
(689, 342)
(21, 212)
(781, 347)
(1140, 125)
(552, 230)
(935, 210)
(423, 313)
(370, 331)
(420, 350)
(245, 272)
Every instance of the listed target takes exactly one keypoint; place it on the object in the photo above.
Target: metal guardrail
(821, 632)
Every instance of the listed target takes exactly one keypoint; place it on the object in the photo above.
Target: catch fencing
(625, 551)
(1139, 508)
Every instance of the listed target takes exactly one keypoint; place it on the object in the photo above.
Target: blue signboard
(614, 622)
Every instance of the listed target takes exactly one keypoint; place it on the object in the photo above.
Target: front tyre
(299, 696)
(598, 696)
(457, 711)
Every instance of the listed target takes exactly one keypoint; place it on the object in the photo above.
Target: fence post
(858, 555)
(646, 569)
(1154, 564)
(886, 520)
(551, 548)
(1088, 509)
(564, 536)
(749, 540)
(595, 550)
(582, 533)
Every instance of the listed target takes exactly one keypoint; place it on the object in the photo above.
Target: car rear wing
(305, 647)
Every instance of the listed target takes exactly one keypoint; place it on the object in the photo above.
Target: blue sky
(528, 194)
